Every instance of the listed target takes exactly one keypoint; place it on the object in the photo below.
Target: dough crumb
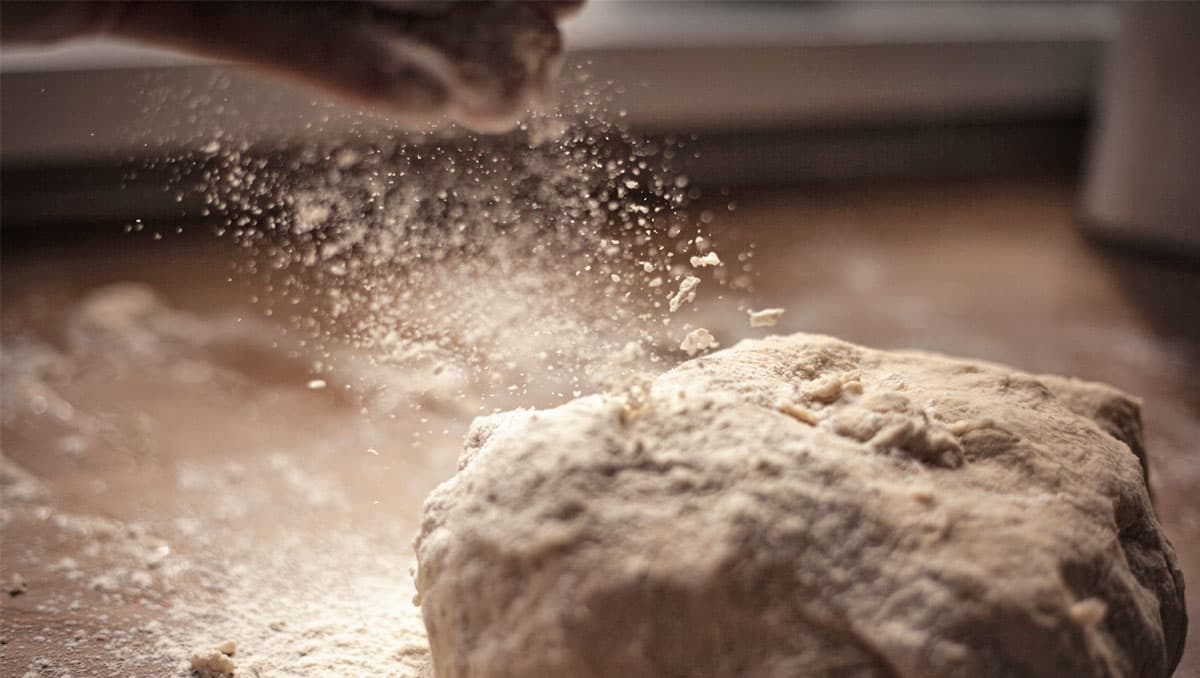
(316, 384)
(214, 662)
(827, 389)
(766, 317)
(799, 413)
(685, 294)
(105, 583)
(965, 426)
(710, 259)
(698, 340)
(16, 585)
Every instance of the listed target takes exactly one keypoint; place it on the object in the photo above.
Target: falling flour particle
(766, 317)
(455, 208)
(698, 340)
(630, 354)
(710, 259)
(685, 294)
(317, 384)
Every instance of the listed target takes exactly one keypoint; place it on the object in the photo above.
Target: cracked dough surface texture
(801, 506)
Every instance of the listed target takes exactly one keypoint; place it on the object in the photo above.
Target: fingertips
(484, 63)
(559, 10)
(493, 89)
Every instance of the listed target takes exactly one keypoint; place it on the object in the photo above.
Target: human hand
(482, 63)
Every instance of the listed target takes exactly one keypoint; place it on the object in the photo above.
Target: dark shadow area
(1165, 287)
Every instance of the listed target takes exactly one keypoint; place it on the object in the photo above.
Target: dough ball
(800, 506)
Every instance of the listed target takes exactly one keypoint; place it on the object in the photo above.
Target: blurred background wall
(777, 92)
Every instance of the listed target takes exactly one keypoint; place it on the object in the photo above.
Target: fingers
(318, 43)
(560, 9)
(483, 63)
(495, 59)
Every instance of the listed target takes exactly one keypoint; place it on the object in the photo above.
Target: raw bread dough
(800, 506)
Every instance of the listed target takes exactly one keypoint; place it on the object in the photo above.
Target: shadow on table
(1165, 287)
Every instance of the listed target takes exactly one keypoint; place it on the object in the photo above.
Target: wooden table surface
(160, 460)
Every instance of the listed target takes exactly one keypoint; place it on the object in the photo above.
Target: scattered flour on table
(162, 595)
(295, 604)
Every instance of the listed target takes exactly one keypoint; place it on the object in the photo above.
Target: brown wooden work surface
(992, 270)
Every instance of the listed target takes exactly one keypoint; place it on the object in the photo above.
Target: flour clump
(710, 259)
(214, 662)
(766, 317)
(685, 294)
(698, 340)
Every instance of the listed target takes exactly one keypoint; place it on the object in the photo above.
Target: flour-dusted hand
(482, 63)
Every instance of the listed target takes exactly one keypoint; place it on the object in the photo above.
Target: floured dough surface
(800, 506)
